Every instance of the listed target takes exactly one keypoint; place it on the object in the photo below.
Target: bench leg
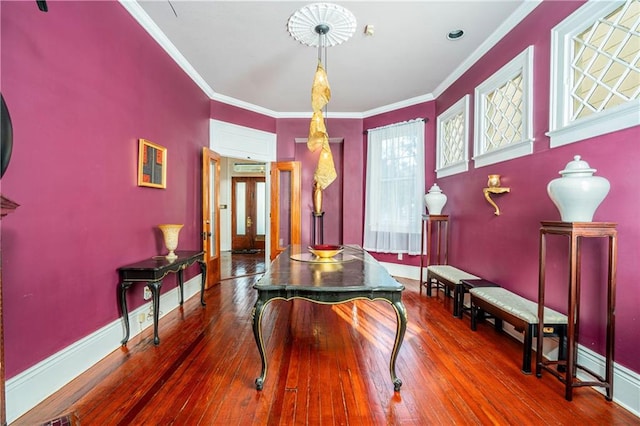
(458, 295)
(474, 316)
(526, 354)
(497, 323)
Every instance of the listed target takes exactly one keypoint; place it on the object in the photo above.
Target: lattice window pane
(503, 115)
(606, 62)
(453, 139)
(453, 147)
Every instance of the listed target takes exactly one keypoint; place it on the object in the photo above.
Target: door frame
(208, 228)
(251, 185)
(295, 232)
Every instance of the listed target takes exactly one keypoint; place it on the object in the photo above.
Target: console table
(441, 225)
(152, 271)
(576, 231)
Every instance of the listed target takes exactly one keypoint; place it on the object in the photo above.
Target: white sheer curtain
(394, 188)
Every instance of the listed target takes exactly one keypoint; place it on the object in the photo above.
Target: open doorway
(243, 217)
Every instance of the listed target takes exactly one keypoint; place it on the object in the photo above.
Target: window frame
(521, 64)
(460, 107)
(406, 238)
(561, 130)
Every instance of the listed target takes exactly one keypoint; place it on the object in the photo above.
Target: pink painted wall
(78, 110)
(504, 248)
(83, 82)
(342, 203)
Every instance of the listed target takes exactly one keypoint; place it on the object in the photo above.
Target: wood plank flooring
(327, 365)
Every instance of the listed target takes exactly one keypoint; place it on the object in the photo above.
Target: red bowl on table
(325, 251)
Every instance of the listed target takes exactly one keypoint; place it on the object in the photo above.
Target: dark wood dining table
(351, 275)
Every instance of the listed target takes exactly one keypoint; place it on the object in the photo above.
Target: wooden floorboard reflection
(327, 364)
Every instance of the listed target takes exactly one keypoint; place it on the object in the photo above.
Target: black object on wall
(42, 5)
(6, 136)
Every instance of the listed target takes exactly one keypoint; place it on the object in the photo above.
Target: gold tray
(312, 258)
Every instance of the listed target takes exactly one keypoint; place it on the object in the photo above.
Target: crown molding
(147, 23)
(516, 17)
(154, 31)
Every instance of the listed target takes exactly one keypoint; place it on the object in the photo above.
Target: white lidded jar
(577, 194)
(435, 200)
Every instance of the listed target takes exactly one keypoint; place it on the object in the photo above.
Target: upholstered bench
(450, 279)
(519, 312)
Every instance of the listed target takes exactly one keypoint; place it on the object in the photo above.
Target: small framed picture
(152, 164)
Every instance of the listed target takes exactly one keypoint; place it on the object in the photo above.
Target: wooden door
(285, 206)
(211, 214)
(248, 215)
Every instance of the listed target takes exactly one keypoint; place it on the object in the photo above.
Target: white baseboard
(626, 383)
(32, 386)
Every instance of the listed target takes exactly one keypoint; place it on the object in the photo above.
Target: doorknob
(249, 222)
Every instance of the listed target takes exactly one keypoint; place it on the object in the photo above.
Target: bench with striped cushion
(449, 278)
(522, 313)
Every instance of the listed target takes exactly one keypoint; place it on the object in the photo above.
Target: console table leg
(181, 285)
(125, 312)
(257, 332)
(155, 292)
(203, 281)
(401, 314)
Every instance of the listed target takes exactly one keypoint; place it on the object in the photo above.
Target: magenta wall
(342, 200)
(83, 82)
(504, 248)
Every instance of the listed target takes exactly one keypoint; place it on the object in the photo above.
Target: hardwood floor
(327, 364)
(240, 265)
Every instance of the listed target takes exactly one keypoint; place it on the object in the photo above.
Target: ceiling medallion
(303, 24)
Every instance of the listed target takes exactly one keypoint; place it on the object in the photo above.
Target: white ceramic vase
(170, 233)
(577, 194)
(435, 200)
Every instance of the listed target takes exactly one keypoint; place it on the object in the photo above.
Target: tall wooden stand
(576, 231)
(439, 224)
(317, 228)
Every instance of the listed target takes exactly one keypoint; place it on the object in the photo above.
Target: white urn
(577, 194)
(435, 200)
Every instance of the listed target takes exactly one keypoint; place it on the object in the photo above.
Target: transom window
(503, 113)
(453, 139)
(595, 71)
(605, 65)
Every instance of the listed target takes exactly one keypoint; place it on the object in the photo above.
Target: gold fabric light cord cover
(325, 172)
(322, 25)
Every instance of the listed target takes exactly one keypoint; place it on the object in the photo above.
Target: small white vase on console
(577, 194)
(435, 200)
(170, 233)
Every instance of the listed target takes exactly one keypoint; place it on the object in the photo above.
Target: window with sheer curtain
(394, 188)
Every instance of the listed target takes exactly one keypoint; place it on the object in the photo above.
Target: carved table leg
(203, 270)
(125, 312)
(155, 292)
(401, 314)
(257, 332)
(181, 285)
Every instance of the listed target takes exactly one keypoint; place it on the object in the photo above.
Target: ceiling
(240, 52)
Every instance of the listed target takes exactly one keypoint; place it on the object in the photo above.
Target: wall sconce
(493, 187)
